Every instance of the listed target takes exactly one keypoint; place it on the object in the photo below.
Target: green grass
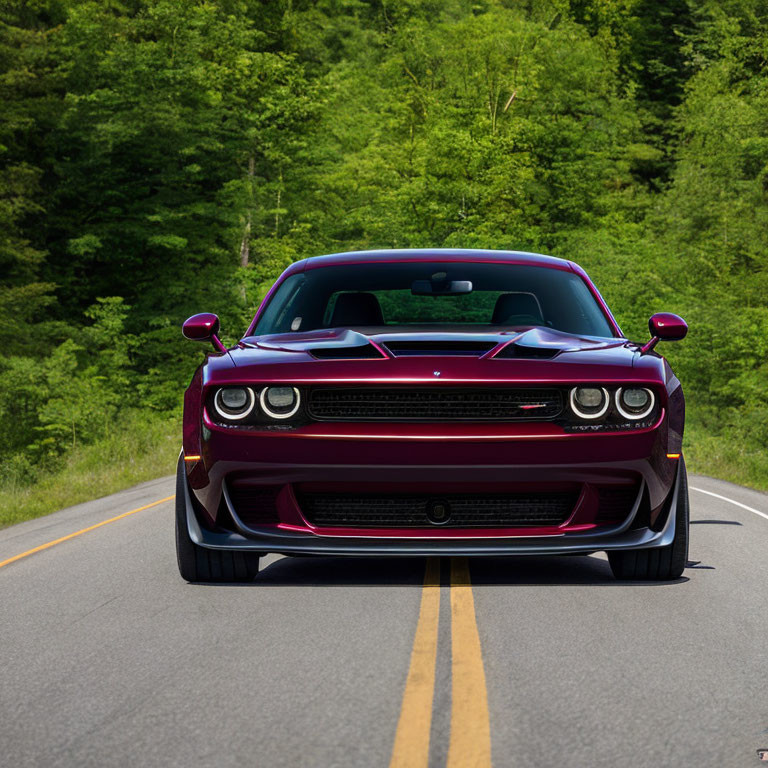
(727, 456)
(146, 448)
(142, 448)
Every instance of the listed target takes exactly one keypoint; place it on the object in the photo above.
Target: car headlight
(589, 402)
(634, 402)
(232, 403)
(280, 402)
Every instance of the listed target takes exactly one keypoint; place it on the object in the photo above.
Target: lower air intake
(254, 505)
(450, 511)
(615, 504)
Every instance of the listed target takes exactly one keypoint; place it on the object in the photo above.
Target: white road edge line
(725, 498)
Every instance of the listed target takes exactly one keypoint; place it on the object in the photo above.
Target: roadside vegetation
(142, 449)
(161, 158)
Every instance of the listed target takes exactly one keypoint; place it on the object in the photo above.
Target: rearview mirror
(203, 327)
(664, 326)
(443, 288)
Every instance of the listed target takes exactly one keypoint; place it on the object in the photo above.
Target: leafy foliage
(161, 158)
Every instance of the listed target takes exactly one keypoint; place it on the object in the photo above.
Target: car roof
(431, 254)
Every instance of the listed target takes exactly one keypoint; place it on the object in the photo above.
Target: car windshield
(383, 297)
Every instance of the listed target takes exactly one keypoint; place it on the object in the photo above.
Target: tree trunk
(245, 243)
(277, 210)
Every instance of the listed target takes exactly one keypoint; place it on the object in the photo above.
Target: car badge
(436, 373)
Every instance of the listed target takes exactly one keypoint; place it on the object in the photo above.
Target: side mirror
(664, 326)
(203, 327)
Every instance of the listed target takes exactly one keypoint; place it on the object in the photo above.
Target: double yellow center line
(470, 741)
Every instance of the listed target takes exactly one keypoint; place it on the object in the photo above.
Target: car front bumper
(398, 459)
(290, 542)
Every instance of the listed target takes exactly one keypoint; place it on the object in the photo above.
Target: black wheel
(206, 565)
(659, 563)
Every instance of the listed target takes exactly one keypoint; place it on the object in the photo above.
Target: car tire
(202, 565)
(659, 563)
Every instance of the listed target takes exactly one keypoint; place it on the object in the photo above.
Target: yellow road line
(411, 749)
(84, 530)
(470, 744)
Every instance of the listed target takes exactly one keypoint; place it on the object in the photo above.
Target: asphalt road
(110, 659)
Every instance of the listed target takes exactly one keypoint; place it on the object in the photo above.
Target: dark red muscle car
(433, 402)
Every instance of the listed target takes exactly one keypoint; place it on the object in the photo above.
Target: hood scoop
(359, 352)
(324, 345)
(443, 348)
(522, 352)
(545, 343)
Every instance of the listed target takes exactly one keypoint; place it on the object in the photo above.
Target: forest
(164, 157)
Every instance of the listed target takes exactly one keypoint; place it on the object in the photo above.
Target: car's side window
(580, 314)
(328, 314)
(277, 317)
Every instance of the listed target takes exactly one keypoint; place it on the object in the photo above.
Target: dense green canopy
(159, 158)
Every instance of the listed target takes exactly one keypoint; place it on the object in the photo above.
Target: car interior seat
(517, 308)
(353, 309)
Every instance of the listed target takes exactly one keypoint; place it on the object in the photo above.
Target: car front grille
(438, 403)
(373, 510)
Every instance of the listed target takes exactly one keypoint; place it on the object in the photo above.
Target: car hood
(420, 355)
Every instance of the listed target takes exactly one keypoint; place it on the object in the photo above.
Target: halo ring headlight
(622, 409)
(234, 415)
(265, 406)
(583, 414)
